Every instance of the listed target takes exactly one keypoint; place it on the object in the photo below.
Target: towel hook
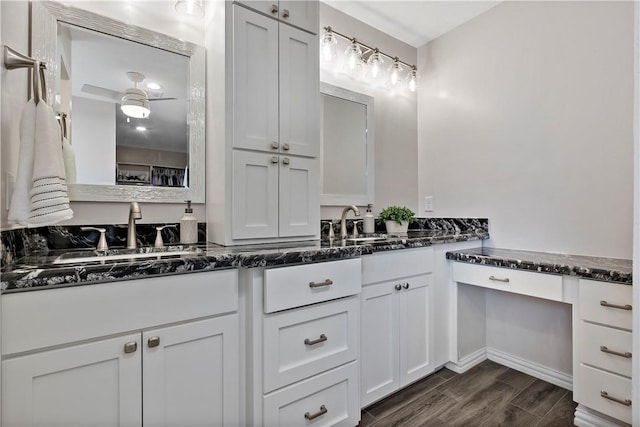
(14, 60)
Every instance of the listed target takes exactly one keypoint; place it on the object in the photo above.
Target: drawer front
(290, 287)
(594, 381)
(613, 357)
(306, 341)
(537, 285)
(329, 399)
(38, 319)
(606, 303)
(385, 266)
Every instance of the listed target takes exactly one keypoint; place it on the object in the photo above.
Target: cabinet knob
(285, 13)
(153, 342)
(285, 147)
(405, 285)
(274, 9)
(274, 159)
(286, 161)
(398, 287)
(130, 347)
(275, 145)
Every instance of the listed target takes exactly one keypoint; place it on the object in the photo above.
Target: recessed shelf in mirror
(95, 62)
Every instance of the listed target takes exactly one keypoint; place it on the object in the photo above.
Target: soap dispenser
(188, 226)
(369, 222)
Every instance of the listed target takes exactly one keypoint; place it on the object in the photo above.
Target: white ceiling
(413, 22)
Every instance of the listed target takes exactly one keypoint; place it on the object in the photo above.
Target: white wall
(94, 140)
(156, 15)
(396, 165)
(525, 117)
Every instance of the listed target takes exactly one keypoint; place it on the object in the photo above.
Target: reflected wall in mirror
(347, 154)
(96, 61)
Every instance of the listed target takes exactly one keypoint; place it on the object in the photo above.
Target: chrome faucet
(343, 222)
(134, 213)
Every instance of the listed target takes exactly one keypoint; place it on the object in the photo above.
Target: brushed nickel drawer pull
(626, 354)
(322, 338)
(625, 402)
(498, 279)
(323, 410)
(153, 342)
(327, 282)
(274, 9)
(285, 14)
(621, 307)
(130, 347)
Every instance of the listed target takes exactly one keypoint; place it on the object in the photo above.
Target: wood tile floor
(487, 395)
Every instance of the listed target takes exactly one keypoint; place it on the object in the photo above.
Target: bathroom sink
(367, 238)
(118, 254)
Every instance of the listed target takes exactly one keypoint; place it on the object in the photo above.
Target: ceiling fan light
(135, 104)
(190, 7)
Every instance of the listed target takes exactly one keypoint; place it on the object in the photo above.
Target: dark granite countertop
(39, 272)
(596, 268)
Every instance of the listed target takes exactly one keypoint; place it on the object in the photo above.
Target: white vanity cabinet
(303, 344)
(157, 351)
(275, 176)
(397, 321)
(302, 14)
(604, 351)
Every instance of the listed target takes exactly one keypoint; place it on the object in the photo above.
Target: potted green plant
(396, 219)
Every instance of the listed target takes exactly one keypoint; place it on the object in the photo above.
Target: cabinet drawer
(39, 319)
(594, 297)
(537, 285)
(593, 337)
(392, 265)
(329, 399)
(594, 381)
(289, 287)
(306, 341)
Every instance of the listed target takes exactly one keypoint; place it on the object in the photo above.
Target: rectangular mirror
(98, 67)
(347, 147)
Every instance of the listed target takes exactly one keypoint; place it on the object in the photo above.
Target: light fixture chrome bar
(369, 48)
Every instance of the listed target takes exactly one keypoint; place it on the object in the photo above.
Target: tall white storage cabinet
(397, 321)
(271, 140)
(179, 366)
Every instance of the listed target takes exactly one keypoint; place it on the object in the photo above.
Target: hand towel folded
(49, 199)
(19, 208)
(69, 157)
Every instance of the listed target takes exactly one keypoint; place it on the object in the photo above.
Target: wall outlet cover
(428, 203)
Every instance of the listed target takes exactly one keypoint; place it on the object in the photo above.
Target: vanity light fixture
(358, 53)
(190, 7)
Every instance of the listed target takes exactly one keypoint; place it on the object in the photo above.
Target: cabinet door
(299, 197)
(380, 340)
(192, 374)
(92, 384)
(416, 324)
(255, 195)
(255, 81)
(299, 92)
(302, 14)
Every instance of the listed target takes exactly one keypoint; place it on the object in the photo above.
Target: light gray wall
(396, 165)
(525, 117)
(156, 15)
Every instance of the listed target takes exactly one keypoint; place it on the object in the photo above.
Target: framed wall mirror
(97, 69)
(347, 147)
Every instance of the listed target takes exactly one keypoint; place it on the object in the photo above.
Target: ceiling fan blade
(102, 92)
(162, 99)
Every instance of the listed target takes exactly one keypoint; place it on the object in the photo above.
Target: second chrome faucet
(343, 219)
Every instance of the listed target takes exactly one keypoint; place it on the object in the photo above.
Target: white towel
(69, 157)
(19, 208)
(49, 199)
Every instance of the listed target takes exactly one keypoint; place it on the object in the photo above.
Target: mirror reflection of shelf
(159, 176)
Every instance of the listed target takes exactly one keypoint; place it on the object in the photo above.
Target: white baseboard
(468, 361)
(542, 372)
(585, 417)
